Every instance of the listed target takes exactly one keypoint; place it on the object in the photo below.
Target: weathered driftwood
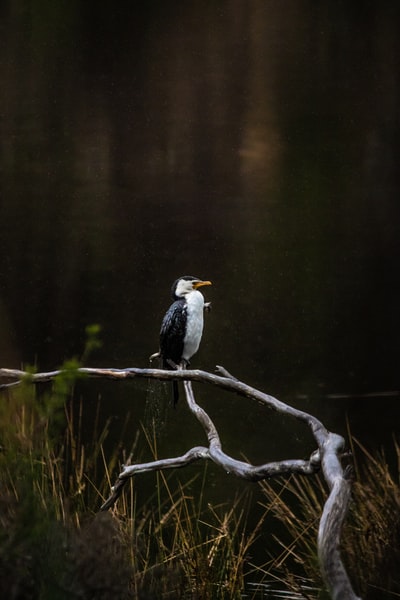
(326, 457)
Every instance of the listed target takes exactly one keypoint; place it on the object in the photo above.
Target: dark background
(255, 144)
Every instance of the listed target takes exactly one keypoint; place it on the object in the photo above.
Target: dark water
(255, 144)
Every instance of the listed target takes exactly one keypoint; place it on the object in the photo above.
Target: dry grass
(173, 545)
(53, 545)
(371, 536)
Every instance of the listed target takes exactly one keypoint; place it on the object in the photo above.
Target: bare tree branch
(330, 527)
(327, 456)
(197, 453)
(226, 382)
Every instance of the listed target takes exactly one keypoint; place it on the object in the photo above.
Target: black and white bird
(182, 325)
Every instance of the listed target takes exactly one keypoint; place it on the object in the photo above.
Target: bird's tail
(165, 364)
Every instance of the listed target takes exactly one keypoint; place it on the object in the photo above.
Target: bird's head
(186, 284)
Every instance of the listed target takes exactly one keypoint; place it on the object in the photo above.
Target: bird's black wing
(172, 333)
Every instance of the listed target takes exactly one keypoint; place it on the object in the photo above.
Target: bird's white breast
(194, 324)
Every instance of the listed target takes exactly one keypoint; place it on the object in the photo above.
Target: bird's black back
(172, 333)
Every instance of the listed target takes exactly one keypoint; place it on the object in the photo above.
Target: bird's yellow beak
(198, 284)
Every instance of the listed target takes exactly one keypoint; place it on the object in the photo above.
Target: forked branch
(326, 457)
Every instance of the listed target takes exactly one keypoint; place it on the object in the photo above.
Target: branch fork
(326, 457)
